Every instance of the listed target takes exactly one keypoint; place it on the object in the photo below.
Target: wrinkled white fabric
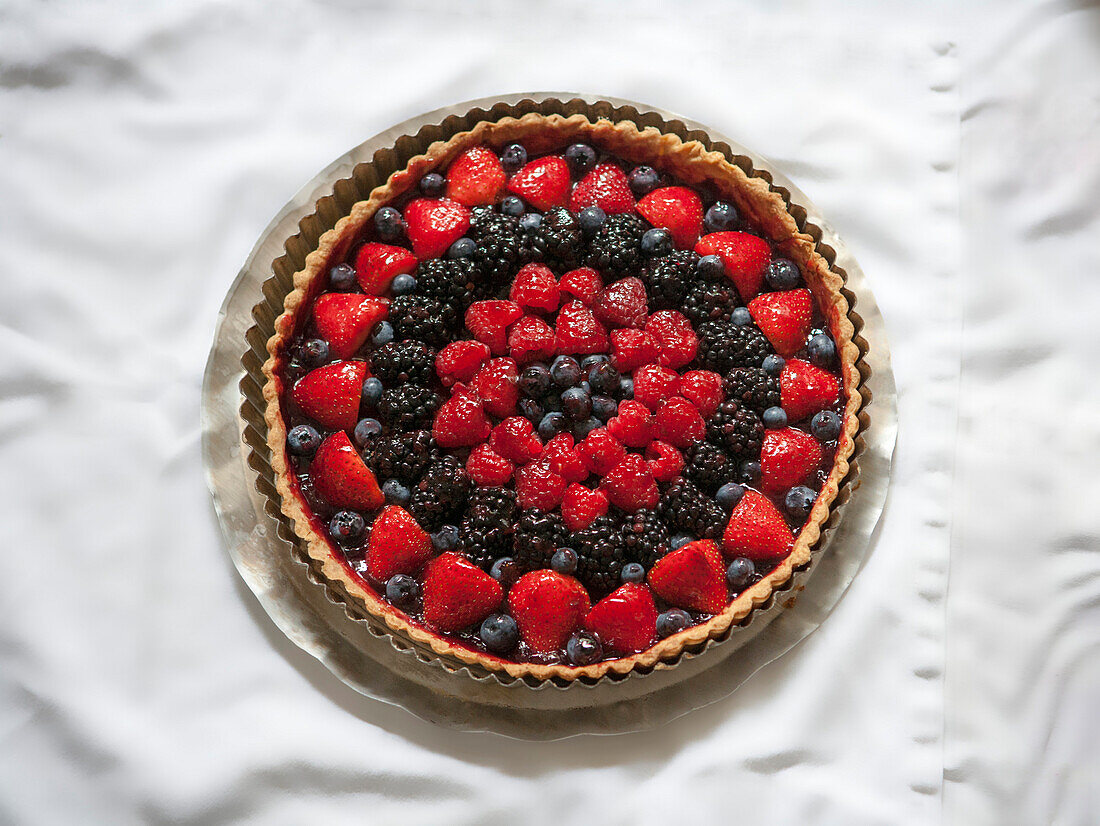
(144, 147)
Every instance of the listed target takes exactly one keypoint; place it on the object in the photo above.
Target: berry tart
(562, 397)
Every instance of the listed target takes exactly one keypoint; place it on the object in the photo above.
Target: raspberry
(653, 385)
(622, 304)
(402, 456)
(630, 485)
(422, 318)
(515, 439)
(461, 421)
(633, 348)
(408, 407)
(685, 508)
(454, 281)
(581, 506)
(614, 249)
(724, 345)
(668, 279)
(601, 553)
(736, 429)
(535, 287)
(679, 423)
(530, 339)
(600, 451)
(645, 538)
(486, 467)
(489, 321)
(486, 531)
(703, 389)
(539, 487)
(752, 388)
(679, 343)
(578, 331)
(581, 284)
(441, 494)
(403, 362)
(634, 425)
(558, 240)
(665, 461)
(458, 361)
(709, 466)
(564, 459)
(496, 386)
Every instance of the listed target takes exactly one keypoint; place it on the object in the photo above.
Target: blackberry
(486, 531)
(408, 407)
(440, 495)
(601, 554)
(668, 279)
(752, 388)
(614, 249)
(423, 318)
(736, 429)
(537, 536)
(724, 345)
(454, 281)
(403, 456)
(498, 251)
(685, 508)
(711, 301)
(645, 537)
(403, 362)
(709, 467)
(558, 241)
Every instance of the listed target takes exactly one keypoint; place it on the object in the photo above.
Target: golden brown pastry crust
(693, 164)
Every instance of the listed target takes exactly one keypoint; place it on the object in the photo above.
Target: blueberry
(821, 349)
(750, 472)
(782, 274)
(513, 158)
(342, 277)
(313, 352)
(303, 440)
(656, 242)
(531, 410)
(721, 216)
(588, 361)
(503, 570)
(432, 185)
(710, 267)
(564, 561)
(825, 425)
(603, 378)
(672, 622)
(552, 424)
(372, 392)
(403, 284)
(633, 572)
(530, 221)
(643, 179)
(774, 418)
(741, 316)
(739, 573)
(581, 158)
(798, 502)
(396, 493)
(729, 495)
(402, 591)
(346, 526)
(680, 540)
(500, 633)
(585, 386)
(389, 224)
(381, 334)
(583, 649)
(591, 219)
(534, 381)
(626, 388)
(512, 206)
(586, 427)
(576, 403)
(462, 248)
(365, 430)
(565, 371)
(446, 538)
(604, 407)
(773, 365)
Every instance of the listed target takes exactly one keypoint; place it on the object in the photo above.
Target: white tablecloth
(143, 148)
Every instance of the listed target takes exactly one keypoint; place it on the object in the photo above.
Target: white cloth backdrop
(144, 147)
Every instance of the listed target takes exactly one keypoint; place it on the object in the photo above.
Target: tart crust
(693, 164)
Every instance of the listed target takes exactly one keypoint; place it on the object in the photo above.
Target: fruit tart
(562, 397)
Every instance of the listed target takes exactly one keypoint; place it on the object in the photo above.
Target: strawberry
(433, 224)
(677, 337)
(692, 577)
(543, 183)
(487, 468)
(460, 361)
(677, 209)
(345, 320)
(625, 620)
(784, 318)
(745, 257)
(489, 321)
(461, 421)
(547, 607)
(535, 288)
(495, 384)
(600, 451)
(516, 440)
(376, 265)
(679, 423)
(581, 505)
(606, 187)
(341, 476)
(457, 593)
(787, 459)
(578, 331)
(664, 461)
(397, 544)
(539, 487)
(632, 348)
(756, 529)
(622, 304)
(634, 424)
(704, 390)
(563, 458)
(581, 284)
(806, 389)
(330, 395)
(654, 384)
(531, 339)
(630, 484)
(475, 177)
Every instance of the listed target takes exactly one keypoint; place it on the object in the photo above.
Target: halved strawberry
(376, 265)
(632, 348)
(547, 607)
(539, 487)
(345, 320)
(744, 255)
(341, 476)
(563, 458)
(633, 425)
(654, 384)
(692, 577)
(678, 340)
(460, 361)
(581, 284)
(433, 224)
(665, 462)
(622, 304)
(487, 468)
(756, 529)
(543, 183)
(531, 339)
(679, 423)
(787, 459)
(495, 384)
(625, 620)
(580, 506)
(457, 593)
(489, 321)
(805, 389)
(578, 331)
(630, 484)
(397, 544)
(475, 177)
(600, 451)
(516, 440)
(461, 421)
(535, 287)
(330, 395)
(785, 318)
(704, 390)
(606, 187)
(677, 209)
